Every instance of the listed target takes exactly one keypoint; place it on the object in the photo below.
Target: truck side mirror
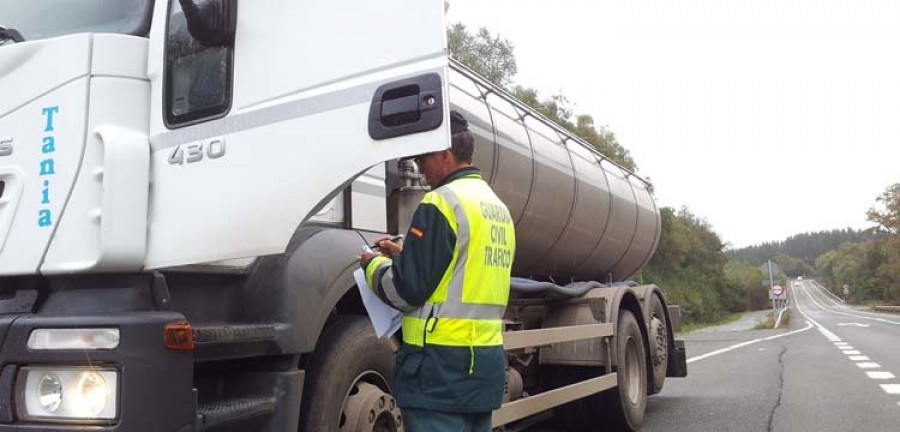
(211, 22)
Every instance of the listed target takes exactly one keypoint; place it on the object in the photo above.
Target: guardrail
(786, 306)
(888, 309)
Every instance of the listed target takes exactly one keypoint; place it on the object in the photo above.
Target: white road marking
(841, 343)
(826, 309)
(888, 388)
(853, 324)
(852, 352)
(891, 388)
(859, 358)
(743, 344)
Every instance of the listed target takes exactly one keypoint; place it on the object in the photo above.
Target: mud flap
(677, 367)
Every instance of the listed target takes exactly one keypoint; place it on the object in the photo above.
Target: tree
(555, 108)
(886, 216)
(604, 140)
(489, 55)
(745, 280)
(854, 265)
(493, 58)
(792, 266)
(691, 265)
(887, 213)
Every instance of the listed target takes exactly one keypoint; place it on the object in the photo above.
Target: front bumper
(155, 385)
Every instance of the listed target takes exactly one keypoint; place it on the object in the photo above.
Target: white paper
(385, 319)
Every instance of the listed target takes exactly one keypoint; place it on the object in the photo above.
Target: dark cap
(458, 123)
(462, 143)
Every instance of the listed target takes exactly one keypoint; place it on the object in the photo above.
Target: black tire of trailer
(658, 341)
(617, 409)
(347, 350)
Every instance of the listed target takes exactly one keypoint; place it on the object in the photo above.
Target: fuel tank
(578, 215)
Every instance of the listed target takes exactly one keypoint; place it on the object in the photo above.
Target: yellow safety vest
(466, 309)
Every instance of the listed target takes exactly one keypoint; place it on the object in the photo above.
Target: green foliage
(791, 265)
(871, 269)
(690, 264)
(886, 215)
(493, 58)
(888, 273)
(769, 322)
(746, 281)
(806, 247)
(489, 55)
(852, 264)
(557, 108)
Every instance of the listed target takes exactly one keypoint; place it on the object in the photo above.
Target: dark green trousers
(419, 420)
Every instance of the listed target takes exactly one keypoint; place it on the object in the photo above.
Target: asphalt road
(833, 369)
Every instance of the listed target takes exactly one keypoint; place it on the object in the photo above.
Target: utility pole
(772, 286)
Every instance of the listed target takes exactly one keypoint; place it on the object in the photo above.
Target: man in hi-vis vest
(451, 280)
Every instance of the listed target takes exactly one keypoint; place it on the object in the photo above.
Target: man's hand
(387, 247)
(365, 257)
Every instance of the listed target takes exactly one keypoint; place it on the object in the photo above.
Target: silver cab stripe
(255, 118)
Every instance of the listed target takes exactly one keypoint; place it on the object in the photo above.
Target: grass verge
(769, 322)
(689, 327)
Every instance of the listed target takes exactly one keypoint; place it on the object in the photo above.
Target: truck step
(231, 412)
(222, 342)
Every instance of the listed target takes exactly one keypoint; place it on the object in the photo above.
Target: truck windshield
(41, 19)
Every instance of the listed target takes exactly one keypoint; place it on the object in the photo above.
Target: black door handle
(395, 112)
(406, 106)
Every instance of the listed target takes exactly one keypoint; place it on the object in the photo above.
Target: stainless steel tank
(578, 216)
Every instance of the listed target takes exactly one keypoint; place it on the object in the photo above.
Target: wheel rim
(369, 407)
(632, 371)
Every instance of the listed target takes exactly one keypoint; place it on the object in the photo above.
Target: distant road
(834, 369)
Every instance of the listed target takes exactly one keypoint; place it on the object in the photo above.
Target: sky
(765, 118)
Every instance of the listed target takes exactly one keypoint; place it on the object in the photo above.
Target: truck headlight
(67, 393)
(49, 392)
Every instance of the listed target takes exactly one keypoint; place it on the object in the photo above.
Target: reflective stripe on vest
(381, 281)
(467, 307)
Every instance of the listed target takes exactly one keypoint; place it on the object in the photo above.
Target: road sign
(777, 293)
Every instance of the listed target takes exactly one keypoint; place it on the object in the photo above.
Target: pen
(393, 239)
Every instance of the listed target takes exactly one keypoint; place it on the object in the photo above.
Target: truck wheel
(627, 402)
(347, 385)
(618, 409)
(658, 333)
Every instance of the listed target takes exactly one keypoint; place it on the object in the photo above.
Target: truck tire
(626, 403)
(658, 335)
(617, 409)
(347, 386)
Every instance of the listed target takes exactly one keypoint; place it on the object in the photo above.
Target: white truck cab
(134, 146)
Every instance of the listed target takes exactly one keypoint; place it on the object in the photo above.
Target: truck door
(251, 135)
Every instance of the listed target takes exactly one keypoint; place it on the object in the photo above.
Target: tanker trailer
(584, 225)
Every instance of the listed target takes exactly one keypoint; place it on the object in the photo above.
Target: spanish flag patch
(415, 231)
